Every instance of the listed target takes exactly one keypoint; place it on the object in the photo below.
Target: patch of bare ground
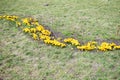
(1, 79)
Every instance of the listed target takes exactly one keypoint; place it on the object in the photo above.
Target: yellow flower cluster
(103, 47)
(108, 46)
(18, 23)
(39, 28)
(27, 30)
(33, 30)
(117, 47)
(44, 37)
(35, 36)
(88, 47)
(26, 21)
(49, 40)
(38, 32)
(54, 42)
(10, 18)
(30, 21)
(72, 41)
(46, 32)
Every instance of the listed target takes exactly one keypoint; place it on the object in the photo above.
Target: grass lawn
(22, 58)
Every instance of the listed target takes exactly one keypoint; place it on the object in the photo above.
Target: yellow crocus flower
(26, 30)
(81, 47)
(39, 28)
(117, 47)
(63, 45)
(18, 23)
(33, 30)
(1, 17)
(72, 41)
(46, 32)
(44, 37)
(26, 21)
(34, 36)
(47, 41)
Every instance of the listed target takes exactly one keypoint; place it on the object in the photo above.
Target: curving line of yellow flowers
(38, 32)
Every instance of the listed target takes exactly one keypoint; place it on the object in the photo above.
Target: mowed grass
(22, 58)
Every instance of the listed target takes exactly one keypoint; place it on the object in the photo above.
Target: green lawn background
(21, 58)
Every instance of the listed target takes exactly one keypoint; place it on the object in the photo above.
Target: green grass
(21, 58)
